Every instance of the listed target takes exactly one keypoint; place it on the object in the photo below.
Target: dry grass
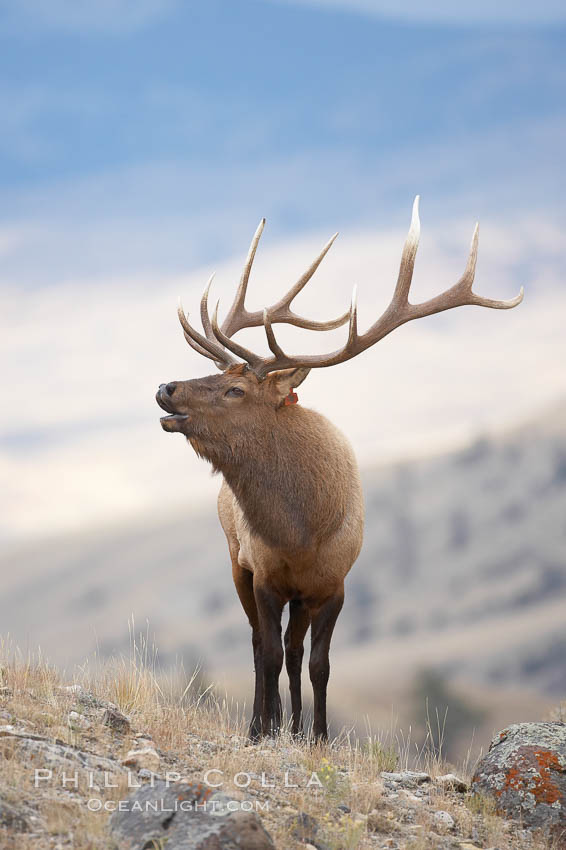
(195, 730)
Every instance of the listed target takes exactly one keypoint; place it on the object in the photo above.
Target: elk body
(291, 502)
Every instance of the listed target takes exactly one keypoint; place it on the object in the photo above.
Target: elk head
(216, 411)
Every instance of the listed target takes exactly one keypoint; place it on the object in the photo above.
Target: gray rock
(76, 720)
(145, 757)
(59, 756)
(525, 773)
(115, 720)
(409, 797)
(189, 816)
(304, 829)
(145, 774)
(443, 820)
(452, 783)
(405, 778)
(72, 689)
(11, 731)
(90, 700)
(12, 817)
(86, 698)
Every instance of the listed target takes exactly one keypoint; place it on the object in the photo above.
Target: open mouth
(177, 417)
(164, 402)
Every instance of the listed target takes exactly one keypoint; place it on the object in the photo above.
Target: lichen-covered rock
(525, 772)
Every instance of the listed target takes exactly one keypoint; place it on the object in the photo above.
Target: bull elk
(290, 503)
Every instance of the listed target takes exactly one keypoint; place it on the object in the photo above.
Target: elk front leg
(243, 580)
(323, 622)
(299, 620)
(270, 608)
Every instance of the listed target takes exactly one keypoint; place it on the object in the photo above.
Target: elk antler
(400, 310)
(239, 317)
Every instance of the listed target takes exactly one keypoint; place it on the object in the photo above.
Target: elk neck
(287, 474)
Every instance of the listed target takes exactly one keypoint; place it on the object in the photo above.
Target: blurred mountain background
(140, 145)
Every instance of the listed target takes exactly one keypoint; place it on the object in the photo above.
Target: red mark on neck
(292, 398)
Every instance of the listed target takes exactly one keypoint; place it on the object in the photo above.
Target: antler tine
(353, 327)
(252, 359)
(237, 317)
(281, 311)
(271, 341)
(204, 317)
(200, 350)
(406, 268)
(461, 293)
(499, 305)
(280, 360)
(467, 280)
(194, 338)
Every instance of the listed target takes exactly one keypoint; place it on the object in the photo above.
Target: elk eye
(234, 391)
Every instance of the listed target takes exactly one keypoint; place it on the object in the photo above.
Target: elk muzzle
(174, 421)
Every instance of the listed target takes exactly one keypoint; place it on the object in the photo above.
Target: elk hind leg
(299, 621)
(323, 622)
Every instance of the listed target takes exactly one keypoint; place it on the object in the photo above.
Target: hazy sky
(142, 141)
(153, 135)
(446, 11)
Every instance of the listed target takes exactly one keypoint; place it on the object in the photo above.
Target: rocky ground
(69, 753)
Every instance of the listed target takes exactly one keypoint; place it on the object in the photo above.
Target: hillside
(72, 750)
(463, 573)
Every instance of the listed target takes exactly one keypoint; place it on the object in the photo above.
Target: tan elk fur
(295, 516)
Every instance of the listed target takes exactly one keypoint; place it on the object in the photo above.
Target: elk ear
(288, 379)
